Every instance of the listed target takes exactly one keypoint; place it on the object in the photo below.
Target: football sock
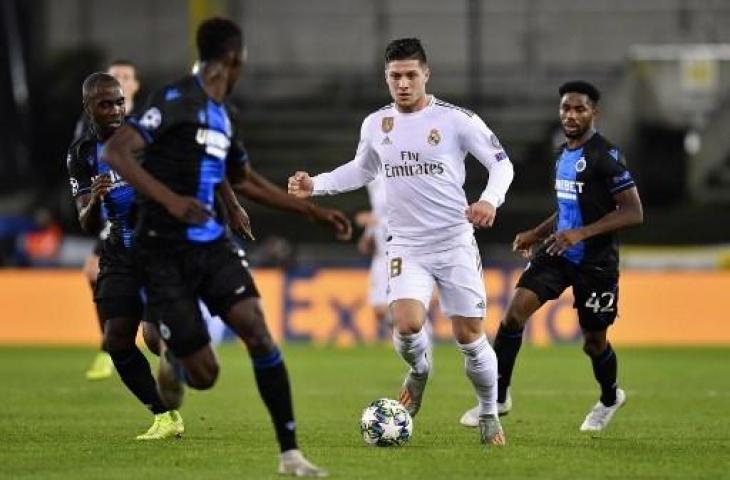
(273, 384)
(605, 367)
(412, 348)
(507, 345)
(480, 364)
(134, 370)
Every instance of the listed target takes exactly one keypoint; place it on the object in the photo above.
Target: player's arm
(86, 190)
(119, 153)
(524, 241)
(238, 219)
(355, 174)
(628, 212)
(479, 140)
(259, 189)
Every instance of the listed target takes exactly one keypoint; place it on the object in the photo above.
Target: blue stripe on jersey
(118, 202)
(567, 191)
(212, 173)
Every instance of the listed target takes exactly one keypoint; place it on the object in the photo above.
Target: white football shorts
(456, 271)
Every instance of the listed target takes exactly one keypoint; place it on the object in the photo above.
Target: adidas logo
(386, 141)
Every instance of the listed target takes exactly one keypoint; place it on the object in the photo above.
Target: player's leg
(596, 298)
(458, 273)
(119, 304)
(102, 366)
(151, 336)
(508, 341)
(410, 286)
(507, 345)
(231, 293)
(170, 279)
(185, 342)
(135, 372)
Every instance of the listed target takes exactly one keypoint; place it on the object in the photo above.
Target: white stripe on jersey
(421, 156)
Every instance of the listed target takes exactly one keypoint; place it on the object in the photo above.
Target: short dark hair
(581, 86)
(216, 37)
(96, 80)
(405, 49)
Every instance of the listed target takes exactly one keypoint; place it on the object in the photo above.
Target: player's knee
(205, 377)
(407, 316)
(593, 347)
(151, 336)
(117, 340)
(514, 319)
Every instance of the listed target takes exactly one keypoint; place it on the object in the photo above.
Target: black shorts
(176, 277)
(118, 287)
(595, 289)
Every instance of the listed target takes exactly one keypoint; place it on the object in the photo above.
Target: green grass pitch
(676, 425)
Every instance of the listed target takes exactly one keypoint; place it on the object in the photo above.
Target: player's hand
(481, 214)
(100, 186)
(300, 185)
(364, 218)
(240, 223)
(523, 243)
(335, 219)
(559, 242)
(188, 209)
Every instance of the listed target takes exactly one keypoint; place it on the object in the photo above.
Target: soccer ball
(386, 423)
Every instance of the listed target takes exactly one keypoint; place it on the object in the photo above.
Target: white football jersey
(421, 157)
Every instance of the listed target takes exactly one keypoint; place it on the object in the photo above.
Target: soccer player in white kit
(419, 143)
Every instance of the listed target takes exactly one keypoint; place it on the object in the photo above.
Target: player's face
(106, 109)
(577, 114)
(407, 83)
(127, 78)
(235, 63)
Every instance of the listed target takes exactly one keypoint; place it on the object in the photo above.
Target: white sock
(412, 348)
(480, 364)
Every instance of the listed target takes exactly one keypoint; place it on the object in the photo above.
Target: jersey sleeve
(79, 173)
(613, 170)
(483, 144)
(357, 173)
(164, 110)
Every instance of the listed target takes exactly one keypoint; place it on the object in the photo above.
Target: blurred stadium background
(315, 70)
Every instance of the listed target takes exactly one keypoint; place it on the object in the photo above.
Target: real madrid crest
(580, 165)
(387, 124)
(434, 137)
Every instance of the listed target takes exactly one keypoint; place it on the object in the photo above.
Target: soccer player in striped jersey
(576, 247)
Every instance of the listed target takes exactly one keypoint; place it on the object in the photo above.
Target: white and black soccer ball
(386, 423)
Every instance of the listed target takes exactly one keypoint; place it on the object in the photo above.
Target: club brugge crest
(387, 124)
(434, 137)
(580, 165)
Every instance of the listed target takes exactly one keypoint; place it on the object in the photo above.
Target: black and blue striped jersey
(84, 163)
(191, 141)
(586, 179)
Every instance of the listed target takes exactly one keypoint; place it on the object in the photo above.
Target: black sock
(134, 370)
(605, 366)
(507, 345)
(273, 383)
